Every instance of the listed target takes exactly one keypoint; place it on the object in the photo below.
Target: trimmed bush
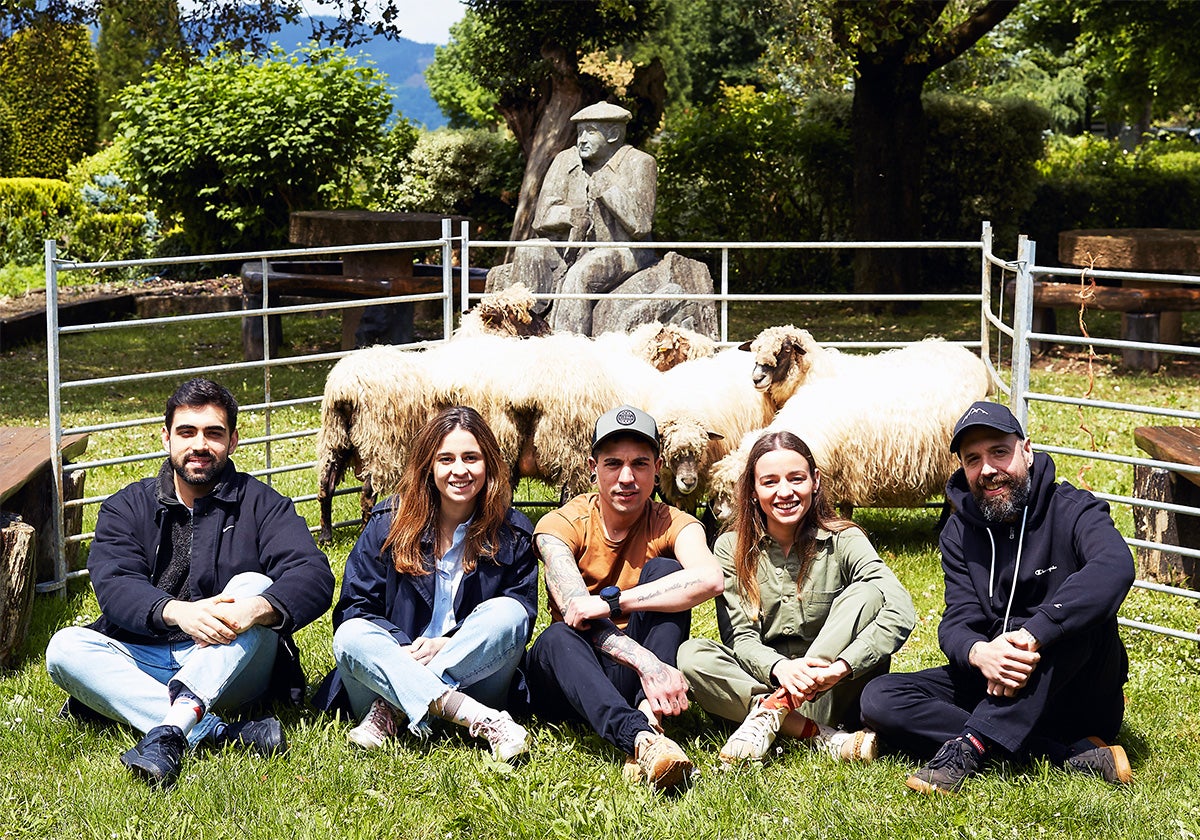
(230, 146)
(8, 141)
(113, 221)
(1090, 182)
(471, 172)
(31, 211)
(48, 77)
(753, 167)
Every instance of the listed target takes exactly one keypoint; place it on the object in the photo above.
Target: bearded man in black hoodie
(1035, 572)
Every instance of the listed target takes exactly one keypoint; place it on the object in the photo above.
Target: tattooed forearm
(563, 580)
(659, 588)
(618, 647)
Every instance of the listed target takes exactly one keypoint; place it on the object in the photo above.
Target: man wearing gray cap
(1035, 572)
(599, 190)
(622, 574)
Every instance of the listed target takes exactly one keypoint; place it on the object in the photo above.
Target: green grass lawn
(63, 780)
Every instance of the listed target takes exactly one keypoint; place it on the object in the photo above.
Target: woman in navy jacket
(439, 595)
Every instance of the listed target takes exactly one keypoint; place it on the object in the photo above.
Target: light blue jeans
(479, 660)
(135, 683)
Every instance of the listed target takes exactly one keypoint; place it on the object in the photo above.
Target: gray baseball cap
(990, 414)
(625, 419)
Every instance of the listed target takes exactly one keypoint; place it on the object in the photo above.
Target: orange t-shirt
(604, 562)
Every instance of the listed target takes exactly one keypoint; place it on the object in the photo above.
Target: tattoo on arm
(610, 641)
(563, 580)
(658, 589)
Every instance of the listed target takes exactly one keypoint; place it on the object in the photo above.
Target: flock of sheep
(879, 425)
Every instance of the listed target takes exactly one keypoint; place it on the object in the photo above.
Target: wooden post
(1164, 526)
(18, 557)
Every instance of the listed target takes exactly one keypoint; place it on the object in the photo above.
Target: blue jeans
(479, 660)
(135, 683)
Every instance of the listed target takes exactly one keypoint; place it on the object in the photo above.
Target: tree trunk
(546, 134)
(888, 133)
(18, 556)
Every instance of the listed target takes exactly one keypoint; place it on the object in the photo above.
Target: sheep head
(780, 366)
(509, 312)
(672, 345)
(684, 446)
(722, 483)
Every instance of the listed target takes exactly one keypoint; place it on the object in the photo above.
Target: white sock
(185, 713)
(459, 708)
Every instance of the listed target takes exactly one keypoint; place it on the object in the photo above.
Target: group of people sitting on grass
(203, 574)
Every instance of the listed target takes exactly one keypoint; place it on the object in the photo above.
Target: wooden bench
(1141, 307)
(1180, 445)
(27, 523)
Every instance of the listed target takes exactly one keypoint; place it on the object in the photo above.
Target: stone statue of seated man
(600, 190)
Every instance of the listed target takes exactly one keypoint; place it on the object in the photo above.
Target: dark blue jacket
(402, 604)
(1073, 574)
(241, 526)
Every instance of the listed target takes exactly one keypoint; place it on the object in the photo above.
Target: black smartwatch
(612, 596)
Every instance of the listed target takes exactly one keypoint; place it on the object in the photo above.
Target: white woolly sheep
(508, 312)
(703, 408)
(540, 396)
(879, 430)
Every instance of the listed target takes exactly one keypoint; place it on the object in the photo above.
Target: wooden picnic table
(1178, 445)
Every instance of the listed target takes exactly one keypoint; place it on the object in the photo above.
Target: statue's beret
(602, 112)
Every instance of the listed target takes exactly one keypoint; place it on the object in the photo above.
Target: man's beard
(198, 475)
(1005, 507)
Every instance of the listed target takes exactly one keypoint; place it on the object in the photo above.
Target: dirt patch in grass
(35, 300)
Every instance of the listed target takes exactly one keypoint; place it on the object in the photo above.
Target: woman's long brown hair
(418, 502)
(750, 521)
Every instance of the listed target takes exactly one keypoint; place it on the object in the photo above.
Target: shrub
(1090, 182)
(31, 211)
(48, 77)
(471, 172)
(8, 140)
(113, 220)
(754, 167)
(232, 145)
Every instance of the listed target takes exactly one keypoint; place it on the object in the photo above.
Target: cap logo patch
(626, 417)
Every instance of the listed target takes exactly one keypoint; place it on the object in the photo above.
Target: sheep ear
(794, 346)
(716, 436)
(745, 345)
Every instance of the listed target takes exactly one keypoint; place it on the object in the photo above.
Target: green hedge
(33, 210)
(49, 78)
(1090, 182)
(753, 166)
(8, 140)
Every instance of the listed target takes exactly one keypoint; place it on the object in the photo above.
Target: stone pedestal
(673, 274)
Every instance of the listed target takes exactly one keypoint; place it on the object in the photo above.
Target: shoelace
(757, 728)
(952, 756)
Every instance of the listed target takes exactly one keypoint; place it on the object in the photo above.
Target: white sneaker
(753, 739)
(377, 726)
(847, 746)
(507, 738)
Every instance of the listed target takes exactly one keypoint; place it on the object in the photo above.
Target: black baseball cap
(990, 414)
(625, 419)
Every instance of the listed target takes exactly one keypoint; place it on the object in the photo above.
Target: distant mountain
(402, 60)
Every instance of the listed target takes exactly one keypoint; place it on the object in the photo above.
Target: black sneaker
(954, 763)
(157, 758)
(1097, 758)
(264, 737)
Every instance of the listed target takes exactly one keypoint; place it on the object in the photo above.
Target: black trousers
(570, 680)
(1074, 692)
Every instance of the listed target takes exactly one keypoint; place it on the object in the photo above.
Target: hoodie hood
(1041, 488)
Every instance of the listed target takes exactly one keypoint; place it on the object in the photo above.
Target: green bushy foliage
(48, 77)
(113, 220)
(31, 211)
(750, 167)
(232, 145)
(1091, 182)
(753, 167)
(471, 172)
(8, 140)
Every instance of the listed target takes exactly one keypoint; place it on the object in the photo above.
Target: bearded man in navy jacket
(202, 574)
(1035, 572)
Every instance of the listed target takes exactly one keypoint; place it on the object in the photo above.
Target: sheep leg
(367, 498)
(332, 470)
(846, 509)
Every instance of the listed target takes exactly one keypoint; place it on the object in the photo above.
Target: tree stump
(18, 557)
(1164, 526)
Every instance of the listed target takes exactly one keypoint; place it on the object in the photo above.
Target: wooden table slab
(25, 450)
(1180, 444)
